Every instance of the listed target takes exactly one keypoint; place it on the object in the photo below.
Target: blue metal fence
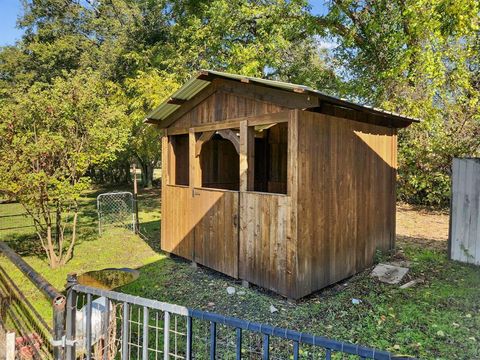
(131, 327)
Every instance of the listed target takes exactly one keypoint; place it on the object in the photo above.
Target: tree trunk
(69, 253)
(128, 177)
(147, 175)
(52, 256)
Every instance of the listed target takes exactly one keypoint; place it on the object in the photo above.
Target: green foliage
(49, 137)
(414, 57)
(418, 58)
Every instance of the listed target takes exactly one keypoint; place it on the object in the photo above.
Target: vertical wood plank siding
(339, 205)
(215, 220)
(464, 239)
(177, 228)
(221, 106)
(264, 224)
(346, 172)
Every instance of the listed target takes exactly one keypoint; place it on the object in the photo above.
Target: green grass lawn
(436, 319)
(117, 248)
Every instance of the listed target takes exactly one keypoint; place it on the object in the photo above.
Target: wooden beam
(152, 121)
(207, 135)
(260, 128)
(232, 136)
(265, 119)
(176, 101)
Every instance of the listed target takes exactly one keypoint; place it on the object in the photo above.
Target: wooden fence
(464, 239)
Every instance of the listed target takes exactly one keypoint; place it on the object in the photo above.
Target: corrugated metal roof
(197, 84)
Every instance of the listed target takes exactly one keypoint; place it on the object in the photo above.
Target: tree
(146, 91)
(49, 137)
(419, 58)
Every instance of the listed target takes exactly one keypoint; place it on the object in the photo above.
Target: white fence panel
(464, 239)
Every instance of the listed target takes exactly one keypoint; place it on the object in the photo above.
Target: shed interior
(270, 158)
(180, 155)
(219, 164)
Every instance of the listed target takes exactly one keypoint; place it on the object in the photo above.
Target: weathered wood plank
(264, 223)
(264, 94)
(345, 198)
(215, 221)
(464, 239)
(177, 234)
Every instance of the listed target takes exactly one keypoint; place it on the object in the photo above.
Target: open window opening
(180, 159)
(219, 160)
(271, 149)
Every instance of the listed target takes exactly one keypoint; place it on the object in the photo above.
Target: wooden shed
(274, 183)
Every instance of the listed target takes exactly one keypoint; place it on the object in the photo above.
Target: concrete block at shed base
(389, 274)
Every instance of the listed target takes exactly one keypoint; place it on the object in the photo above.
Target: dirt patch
(422, 223)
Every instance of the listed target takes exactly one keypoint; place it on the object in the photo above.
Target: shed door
(215, 221)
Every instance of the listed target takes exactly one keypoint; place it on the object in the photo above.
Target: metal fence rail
(98, 324)
(39, 339)
(150, 329)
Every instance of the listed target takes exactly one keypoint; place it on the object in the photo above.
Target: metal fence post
(71, 312)
(58, 326)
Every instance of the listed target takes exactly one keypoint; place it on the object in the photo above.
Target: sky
(10, 10)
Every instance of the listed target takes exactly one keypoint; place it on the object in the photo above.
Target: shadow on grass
(29, 244)
(150, 233)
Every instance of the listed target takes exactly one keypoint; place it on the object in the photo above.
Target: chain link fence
(110, 210)
(116, 209)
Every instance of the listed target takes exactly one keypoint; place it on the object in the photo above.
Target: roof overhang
(205, 77)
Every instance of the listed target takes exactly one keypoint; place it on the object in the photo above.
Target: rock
(400, 263)
(388, 273)
(411, 283)
(356, 301)
(273, 309)
(241, 292)
(211, 304)
(230, 290)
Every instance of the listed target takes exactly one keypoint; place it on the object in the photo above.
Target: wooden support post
(194, 171)
(247, 157)
(292, 191)
(165, 182)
